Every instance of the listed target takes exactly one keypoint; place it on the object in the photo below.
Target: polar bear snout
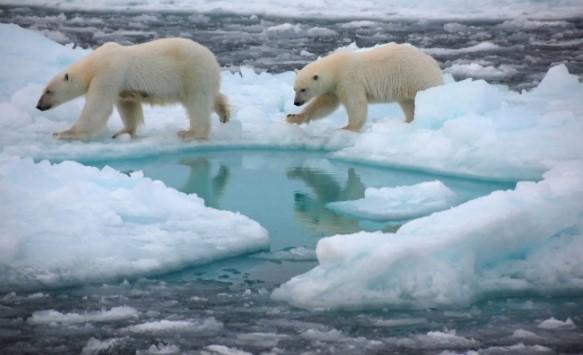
(42, 105)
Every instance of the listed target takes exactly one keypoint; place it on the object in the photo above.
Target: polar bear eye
(303, 90)
(66, 76)
(48, 92)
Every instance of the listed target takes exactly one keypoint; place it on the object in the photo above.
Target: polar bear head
(313, 80)
(62, 88)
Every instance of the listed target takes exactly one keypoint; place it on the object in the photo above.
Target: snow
(526, 239)
(55, 317)
(399, 203)
(377, 9)
(67, 223)
(553, 323)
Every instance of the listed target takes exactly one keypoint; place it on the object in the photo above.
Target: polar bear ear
(66, 76)
(315, 77)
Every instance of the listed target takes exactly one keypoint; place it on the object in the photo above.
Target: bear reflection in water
(311, 210)
(201, 181)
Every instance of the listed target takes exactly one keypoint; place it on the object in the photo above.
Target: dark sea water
(524, 50)
(225, 307)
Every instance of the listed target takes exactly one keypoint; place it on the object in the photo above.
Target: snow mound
(525, 240)
(468, 128)
(399, 203)
(68, 223)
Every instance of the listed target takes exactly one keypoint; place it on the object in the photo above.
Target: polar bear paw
(189, 134)
(69, 135)
(296, 118)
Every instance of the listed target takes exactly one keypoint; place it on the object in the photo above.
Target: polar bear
(393, 72)
(163, 71)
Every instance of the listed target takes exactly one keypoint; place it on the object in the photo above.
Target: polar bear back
(161, 71)
(393, 72)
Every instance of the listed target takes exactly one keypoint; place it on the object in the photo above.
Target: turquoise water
(229, 302)
(286, 192)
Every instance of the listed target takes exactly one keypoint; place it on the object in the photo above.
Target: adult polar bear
(163, 71)
(390, 73)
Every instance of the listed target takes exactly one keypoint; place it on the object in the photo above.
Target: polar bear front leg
(199, 112)
(357, 109)
(320, 107)
(98, 107)
(132, 116)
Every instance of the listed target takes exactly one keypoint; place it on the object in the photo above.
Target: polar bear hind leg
(408, 107)
(222, 108)
(132, 116)
(199, 110)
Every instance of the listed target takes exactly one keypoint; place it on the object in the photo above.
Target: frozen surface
(399, 203)
(67, 223)
(466, 128)
(321, 8)
(525, 240)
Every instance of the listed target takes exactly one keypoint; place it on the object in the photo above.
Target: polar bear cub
(159, 72)
(390, 73)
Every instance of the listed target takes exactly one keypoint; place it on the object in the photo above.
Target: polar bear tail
(222, 108)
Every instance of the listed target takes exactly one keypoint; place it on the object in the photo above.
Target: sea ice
(527, 239)
(399, 203)
(67, 223)
(468, 128)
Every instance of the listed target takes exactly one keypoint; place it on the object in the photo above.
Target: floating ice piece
(475, 70)
(222, 350)
(526, 240)
(177, 326)
(399, 203)
(553, 323)
(68, 223)
(291, 254)
(480, 47)
(112, 315)
(525, 334)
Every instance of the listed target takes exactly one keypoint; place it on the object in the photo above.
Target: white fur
(163, 71)
(391, 73)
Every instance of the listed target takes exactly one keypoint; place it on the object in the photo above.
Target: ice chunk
(67, 223)
(525, 334)
(399, 203)
(475, 70)
(222, 350)
(52, 316)
(174, 326)
(553, 323)
(501, 243)
(480, 47)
